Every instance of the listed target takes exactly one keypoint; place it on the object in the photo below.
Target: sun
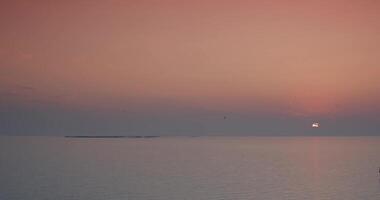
(315, 125)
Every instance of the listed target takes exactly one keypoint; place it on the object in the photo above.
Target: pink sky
(303, 58)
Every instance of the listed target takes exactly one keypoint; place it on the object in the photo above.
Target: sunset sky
(170, 67)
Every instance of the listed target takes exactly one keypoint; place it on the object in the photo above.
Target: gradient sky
(178, 67)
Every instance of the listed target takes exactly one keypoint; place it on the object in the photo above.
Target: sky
(149, 67)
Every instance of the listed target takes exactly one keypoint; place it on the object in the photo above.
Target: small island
(110, 136)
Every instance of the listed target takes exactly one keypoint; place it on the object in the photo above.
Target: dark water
(337, 168)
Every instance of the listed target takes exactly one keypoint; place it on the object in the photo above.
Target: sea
(189, 168)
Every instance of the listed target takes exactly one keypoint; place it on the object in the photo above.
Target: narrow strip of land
(108, 136)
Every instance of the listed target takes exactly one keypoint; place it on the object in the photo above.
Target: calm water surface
(37, 168)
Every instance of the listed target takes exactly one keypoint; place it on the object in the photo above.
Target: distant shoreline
(114, 136)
